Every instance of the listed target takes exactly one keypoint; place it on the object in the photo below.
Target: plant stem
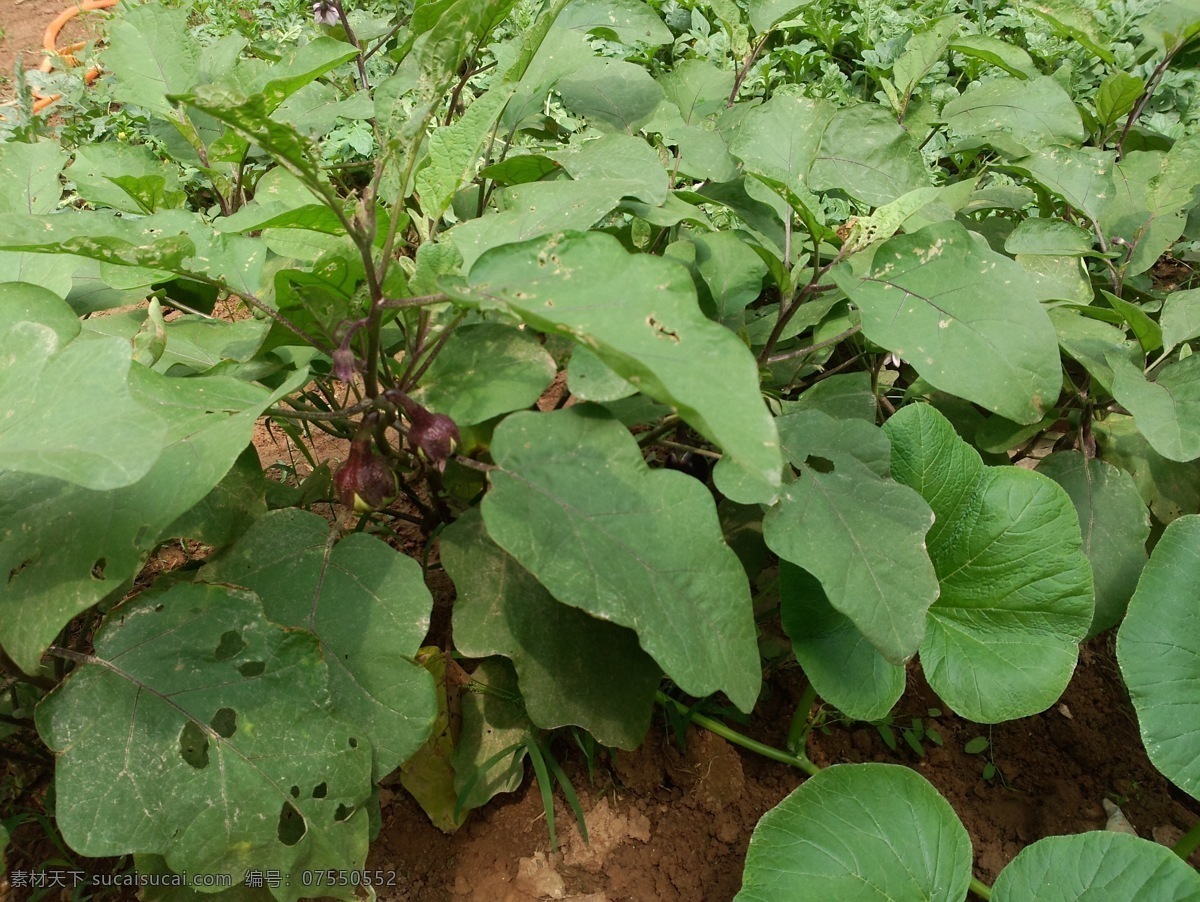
(982, 890)
(715, 726)
(799, 729)
(1187, 845)
(800, 352)
(11, 666)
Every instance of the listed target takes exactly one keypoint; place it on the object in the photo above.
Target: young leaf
(859, 831)
(252, 768)
(572, 668)
(152, 52)
(1016, 590)
(930, 299)
(490, 755)
(1157, 647)
(1116, 96)
(574, 503)
(367, 607)
(639, 314)
(1016, 116)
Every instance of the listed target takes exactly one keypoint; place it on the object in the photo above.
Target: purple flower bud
(435, 436)
(365, 482)
(343, 364)
(325, 12)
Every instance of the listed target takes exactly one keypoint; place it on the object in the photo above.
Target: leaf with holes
(202, 732)
(368, 608)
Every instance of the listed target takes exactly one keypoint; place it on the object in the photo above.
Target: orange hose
(50, 43)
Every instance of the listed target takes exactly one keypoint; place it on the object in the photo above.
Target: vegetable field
(575, 449)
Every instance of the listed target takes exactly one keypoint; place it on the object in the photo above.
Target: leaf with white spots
(965, 317)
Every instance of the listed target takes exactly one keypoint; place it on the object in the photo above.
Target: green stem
(1187, 845)
(715, 726)
(982, 890)
(799, 729)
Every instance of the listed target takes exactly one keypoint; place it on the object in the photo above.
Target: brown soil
(22, 29)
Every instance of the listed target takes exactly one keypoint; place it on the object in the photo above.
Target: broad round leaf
(367, 606)
(1096, 865)
(203, 732)
(1158, 647)
(1016, 589)
(859, 832)
(1167, 410)
(573, 669)
(575, 504)
(964, 316)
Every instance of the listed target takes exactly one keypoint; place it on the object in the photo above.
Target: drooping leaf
(622, 159)
(1114, 524)
(1180, 320)
(66, 410)
(366, 605)
(964, 316)
(243, 762)
(64, 547)
(574, 503)
(485, 370)
(1171, 489)
(1098, 864)
(639, 315)
(1167, 409)
(490, 755)
(860, 534)
(125, 177)
(1158, 645)
(843, 666)
(859, 832)
(1016, 589)
(572, 668)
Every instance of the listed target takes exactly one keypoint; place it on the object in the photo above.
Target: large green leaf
(866, 154)
(29, 176)
(1180, 319)
(65, 548)
(781, 138)
(1158, 647)
(574, 503)
(619, 158)
(860, 534)
(843, 666)
(241, 762)
(368, 608)
(965, 317)
(125, 177)
(612, 94)
(572, 668)
(1098, 865)
(859, 832)
(490, 755)
(65, 406)
(152, 52)
(1016, 589)
(1015, 115)
(639, 314)
(485, 370)
(1115, 526)
(628, 21)
(1166, 410)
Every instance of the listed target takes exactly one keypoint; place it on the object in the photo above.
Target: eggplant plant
(624, 313)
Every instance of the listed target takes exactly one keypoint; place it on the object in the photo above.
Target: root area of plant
(670, 825)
